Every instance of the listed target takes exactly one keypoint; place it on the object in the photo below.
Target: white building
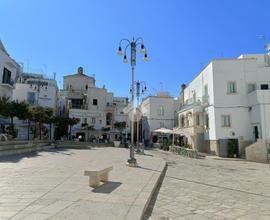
(9, 70)
(228, 99)
(159, 111)
(35, 90)
(95, 107)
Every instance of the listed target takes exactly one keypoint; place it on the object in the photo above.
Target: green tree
(62, 124)
(40, 115)
(13, 109)
(48, 119)
(71, 123)
(120, 126)
(4, 106)
(30, 117)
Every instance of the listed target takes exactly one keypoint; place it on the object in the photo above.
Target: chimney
(80, 70)
(182, 94)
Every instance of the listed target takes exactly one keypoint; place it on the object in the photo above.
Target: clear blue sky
(180, 35)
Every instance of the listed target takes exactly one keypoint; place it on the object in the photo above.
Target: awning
(163, 130)
(182, 132)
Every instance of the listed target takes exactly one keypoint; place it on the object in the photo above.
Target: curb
(155, 190)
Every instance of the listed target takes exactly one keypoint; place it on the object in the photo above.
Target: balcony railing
(74, 106)
(198, 101)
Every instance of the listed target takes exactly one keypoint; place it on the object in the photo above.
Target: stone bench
(96, 176)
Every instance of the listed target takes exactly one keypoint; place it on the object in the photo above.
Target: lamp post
(139, 92)
(132, 45)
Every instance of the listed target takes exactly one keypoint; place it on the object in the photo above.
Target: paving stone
(51, 185)
(212, 188)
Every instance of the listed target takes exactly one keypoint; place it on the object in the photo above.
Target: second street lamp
(139, 92)
(133, 46)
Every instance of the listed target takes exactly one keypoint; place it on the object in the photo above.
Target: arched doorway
(109, 118)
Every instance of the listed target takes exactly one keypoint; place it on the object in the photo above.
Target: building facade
(96, 108)
(228, 100)
(159, 111)
(35, 90)
(9, 71)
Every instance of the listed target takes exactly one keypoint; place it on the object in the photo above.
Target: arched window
(189, 119)
(182, 121)
(109, 118)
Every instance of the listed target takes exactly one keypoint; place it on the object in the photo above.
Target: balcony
(75, 94)
(196, 104)
(74, 106)
(110, 107)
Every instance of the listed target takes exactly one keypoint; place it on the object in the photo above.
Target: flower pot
(117, 143)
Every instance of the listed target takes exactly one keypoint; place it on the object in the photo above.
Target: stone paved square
(51, 185)
(213, 188)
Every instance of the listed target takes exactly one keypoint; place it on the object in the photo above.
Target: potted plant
(116, 143)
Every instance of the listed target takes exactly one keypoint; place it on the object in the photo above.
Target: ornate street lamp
(133, 45)
(140, 90)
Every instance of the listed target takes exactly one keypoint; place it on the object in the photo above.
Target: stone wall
(77, 144)
(242, 147)
(214, 147)
(257, 152)
(19, 147)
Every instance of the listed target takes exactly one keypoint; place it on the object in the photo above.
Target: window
(6, 76)
(85, 120)
(251, 87)
(197, 120)
(100, 121)
(31, 97)
(206, 121)
(226, 121)
(206, 90)
(95, 102)
(264, 87)
(182, 121)
(93, 120)
(86, 87)
(161, 110)
(161, 124)
(76, 103)
(231, 88)
(189, 119)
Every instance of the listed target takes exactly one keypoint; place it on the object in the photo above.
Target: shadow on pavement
(107, 187)
(17, 157)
